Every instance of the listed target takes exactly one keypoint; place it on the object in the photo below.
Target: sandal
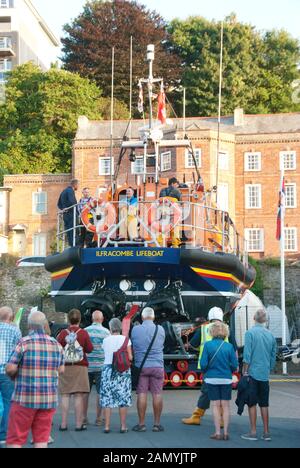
(63, 429)
(139, 428)
(81, 429)
(216, 437)
(158, 428)
(106, 431)
(124, 431)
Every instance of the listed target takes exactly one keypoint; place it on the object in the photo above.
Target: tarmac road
(285, 425)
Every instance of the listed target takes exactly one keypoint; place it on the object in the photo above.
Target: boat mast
(112, 120)
(219, 112)
(150, 59)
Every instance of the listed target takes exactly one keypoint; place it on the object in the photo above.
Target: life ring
(164, 215)
(104, 216)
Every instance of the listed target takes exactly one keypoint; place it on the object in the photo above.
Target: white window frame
(35, 203)
(4, 4)
(112, 170)
(5, 42)
(294, 205)
(261, 248)
(221, 199)
(282, 160)
(40, 236)
(5, 68)
(295, 240)
(224, 163)
(166, 166)
(247, 193)
(134, 166)
(189, 163)
(248, 163)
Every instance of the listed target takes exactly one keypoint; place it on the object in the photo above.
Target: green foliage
(88, 42)
(39, 118)
(271, 262)
(258, 74)
(19, 283)
(258, 288)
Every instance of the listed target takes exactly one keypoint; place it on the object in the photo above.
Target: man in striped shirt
(35, 365)
(97, 334)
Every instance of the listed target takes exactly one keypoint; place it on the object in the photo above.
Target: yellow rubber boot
(195, 419)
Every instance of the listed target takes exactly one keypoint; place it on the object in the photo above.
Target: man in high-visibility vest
(203, 336)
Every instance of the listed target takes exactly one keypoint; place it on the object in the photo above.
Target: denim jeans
(6, 390)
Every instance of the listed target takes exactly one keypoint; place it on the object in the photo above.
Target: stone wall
(272, 285)
(26, 287)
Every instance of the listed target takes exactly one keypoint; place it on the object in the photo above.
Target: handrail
(201, 220)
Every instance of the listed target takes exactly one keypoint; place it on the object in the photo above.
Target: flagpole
(282, 275)
(112, 118)
(219, 111)
(131, 82)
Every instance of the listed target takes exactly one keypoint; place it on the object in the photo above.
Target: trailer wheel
(183, 366)
(201, 379)
(166, 381)
(191, 379)
(176, 379)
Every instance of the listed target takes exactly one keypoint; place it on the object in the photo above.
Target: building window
(255, 240)
(5, 65)
(189, 162)
(39, 203)
(291, 240)
(4, 3)
(223, 161)
(5, 42)
(223, 197)
(252, 162)
(105, 166)
(291, 196)
(40, 245)
(137, 167)
(166, 161)
(253, 197)
(289, 160)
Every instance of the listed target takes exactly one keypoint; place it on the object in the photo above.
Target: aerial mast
(150, 59)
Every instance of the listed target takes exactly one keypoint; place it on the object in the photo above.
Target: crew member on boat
(128, 213)
(172, 193)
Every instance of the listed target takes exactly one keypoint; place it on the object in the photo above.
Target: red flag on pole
(281, 208)
(162, 110)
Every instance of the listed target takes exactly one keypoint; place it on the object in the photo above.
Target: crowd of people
(37, 369)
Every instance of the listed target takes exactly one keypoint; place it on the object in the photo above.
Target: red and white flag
(162, 109)
(141, 99)
(281, 208)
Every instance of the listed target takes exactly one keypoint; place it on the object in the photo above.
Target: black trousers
(204, 402)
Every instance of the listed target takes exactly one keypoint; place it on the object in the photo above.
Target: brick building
(251, 147)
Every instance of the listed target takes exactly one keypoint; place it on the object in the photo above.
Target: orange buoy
(164, 215)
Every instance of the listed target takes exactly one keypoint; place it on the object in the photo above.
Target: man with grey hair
(35, 400)
(10, 335)
(259, 359)
(97, 334)
(152, 369)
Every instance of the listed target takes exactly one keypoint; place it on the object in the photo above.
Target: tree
(39, 118)
(87, 47)
(258, 69)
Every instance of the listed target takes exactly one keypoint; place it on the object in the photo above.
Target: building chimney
(239, 117)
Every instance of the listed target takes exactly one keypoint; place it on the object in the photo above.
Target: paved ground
(285, 424)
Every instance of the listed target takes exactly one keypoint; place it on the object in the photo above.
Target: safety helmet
(216, 314)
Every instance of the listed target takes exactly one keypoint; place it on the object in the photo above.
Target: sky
(264, 14)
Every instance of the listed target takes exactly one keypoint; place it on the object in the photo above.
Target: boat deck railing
(193, 225)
